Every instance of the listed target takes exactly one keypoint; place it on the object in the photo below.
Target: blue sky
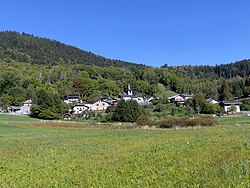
(151, 32)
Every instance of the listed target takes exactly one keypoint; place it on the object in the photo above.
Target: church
(130, 96)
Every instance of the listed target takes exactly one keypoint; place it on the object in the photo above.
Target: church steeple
(129, 90)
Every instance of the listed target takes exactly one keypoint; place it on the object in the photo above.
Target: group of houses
(103, 104)
(81, 107)
(226, 105)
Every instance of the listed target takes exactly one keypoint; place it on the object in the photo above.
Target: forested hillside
(27, 48)
(31, 66)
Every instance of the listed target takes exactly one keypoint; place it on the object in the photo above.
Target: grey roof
(85, 102)
(81, 104)
(72, 96)
(132, 96)
(15, 107)
(186, 95)
(231, 103)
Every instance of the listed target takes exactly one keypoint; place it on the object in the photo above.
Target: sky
(150, 32)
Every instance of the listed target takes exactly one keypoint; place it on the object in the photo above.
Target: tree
(127, 111)
(8, 80)
(79, 85)
(197, 102)
(224, 92)
(47, 105)
(209, 108)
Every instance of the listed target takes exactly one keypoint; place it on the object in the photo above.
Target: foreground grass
(36, 156)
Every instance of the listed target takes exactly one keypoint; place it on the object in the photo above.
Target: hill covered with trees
(32, 66)
(23, 47)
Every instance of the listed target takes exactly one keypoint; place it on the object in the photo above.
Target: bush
(187, 122)
(145, 120)
(246, 105)
(35, 111)
(48, 114)
(110, 109)
(127, 111)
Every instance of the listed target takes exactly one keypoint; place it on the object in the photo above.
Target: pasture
(54, 156)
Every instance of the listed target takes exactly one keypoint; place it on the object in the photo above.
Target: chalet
(1, 110)
(227, 105)
(181, 98)
(79, 109)
(23, 109)
(99, 106)
(130, 96)
(70, 98)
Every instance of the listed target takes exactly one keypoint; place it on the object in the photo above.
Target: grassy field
(52, 156)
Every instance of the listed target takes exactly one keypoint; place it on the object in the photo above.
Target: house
(70, 98)
(99, 106)
(23, 109)
(81, 107)
(130, 96)
(1, 110)
(181, 98)
(212, 101)
(227, 106)
(14, 110)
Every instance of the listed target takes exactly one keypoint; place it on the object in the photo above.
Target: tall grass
(58, 157)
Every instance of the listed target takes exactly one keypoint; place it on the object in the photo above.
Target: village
(80, 107)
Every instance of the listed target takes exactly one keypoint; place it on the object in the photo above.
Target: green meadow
(82, 156)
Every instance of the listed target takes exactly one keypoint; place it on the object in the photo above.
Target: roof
(211, 99)
(132, 96)
(72, 96)
(28, 102)
(231, 103)
(186, 95)
(85, 102)
(178, 95)
(15, 107)
(81, 104)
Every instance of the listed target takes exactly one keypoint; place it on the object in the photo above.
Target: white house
(181, 98)
(227, 105)
(99, 106)
(23, 109)
(79, 109)
(70, 98)
(130, 96)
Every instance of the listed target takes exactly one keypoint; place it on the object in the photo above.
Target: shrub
(48, 114)
(187, 122)
(110, 109)
(145, 120)
(127, 111)
(35, 110)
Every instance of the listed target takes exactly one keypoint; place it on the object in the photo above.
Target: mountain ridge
(25, 47)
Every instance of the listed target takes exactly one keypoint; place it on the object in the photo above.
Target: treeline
(241, 68)
(28, 48)
(20, 81)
